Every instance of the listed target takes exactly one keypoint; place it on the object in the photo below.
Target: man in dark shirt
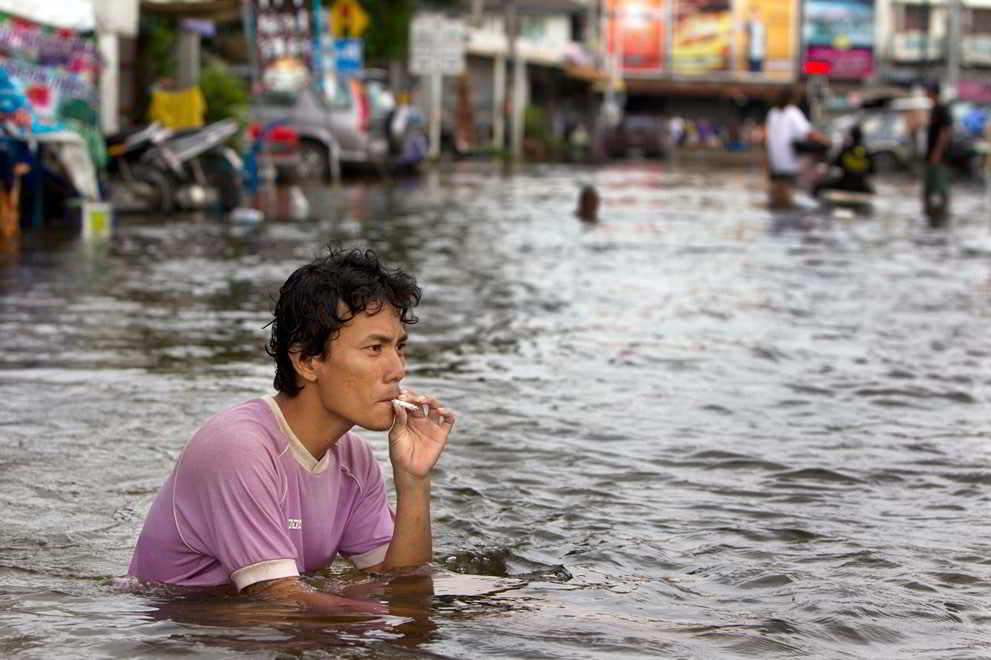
(936, 190)
(851, 167)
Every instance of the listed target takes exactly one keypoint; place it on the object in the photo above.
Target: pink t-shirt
(247, 502)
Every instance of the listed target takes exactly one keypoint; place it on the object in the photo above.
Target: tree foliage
(387, 34)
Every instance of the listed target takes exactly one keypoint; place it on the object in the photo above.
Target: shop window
(914, 18)
(980, 21)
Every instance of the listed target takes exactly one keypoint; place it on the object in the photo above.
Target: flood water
(692, 430)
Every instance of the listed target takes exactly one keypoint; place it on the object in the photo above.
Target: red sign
(636, 32)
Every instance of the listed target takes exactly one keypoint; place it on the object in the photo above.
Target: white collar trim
(299, 452)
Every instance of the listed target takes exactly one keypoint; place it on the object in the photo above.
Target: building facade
(920, 42)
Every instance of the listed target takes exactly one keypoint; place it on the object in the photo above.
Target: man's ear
(305, 367)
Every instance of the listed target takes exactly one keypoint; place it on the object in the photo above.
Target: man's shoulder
(248, 428)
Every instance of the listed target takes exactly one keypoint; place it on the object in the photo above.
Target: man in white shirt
(786, 124)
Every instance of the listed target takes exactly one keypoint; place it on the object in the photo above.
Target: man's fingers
(444, 415)
(400, 414)
(430, 407)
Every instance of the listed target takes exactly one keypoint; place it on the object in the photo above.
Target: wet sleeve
(370, 523)
(229, 505)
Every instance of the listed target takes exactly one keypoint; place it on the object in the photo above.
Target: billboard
(635, 31)
(702, 36)
(283, 42)
(766, 43)
(838, 38)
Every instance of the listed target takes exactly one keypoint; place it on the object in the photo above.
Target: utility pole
(953, 47)
(516, 88)
(924, 59)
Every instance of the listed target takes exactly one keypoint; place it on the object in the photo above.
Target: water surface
(693, 430)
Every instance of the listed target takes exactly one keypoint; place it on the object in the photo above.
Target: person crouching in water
(786, 125)
(15, 119)
(851, 166)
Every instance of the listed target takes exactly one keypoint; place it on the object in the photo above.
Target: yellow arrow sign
(347, 19)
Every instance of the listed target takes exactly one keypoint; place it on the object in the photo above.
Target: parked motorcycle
(190, 169)
(127, 166)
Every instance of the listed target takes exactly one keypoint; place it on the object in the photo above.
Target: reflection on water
(692, 429)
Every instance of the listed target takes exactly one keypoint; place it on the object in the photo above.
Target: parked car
(341, 118)
(636, 133)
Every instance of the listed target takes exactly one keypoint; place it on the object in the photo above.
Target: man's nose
(397, 367)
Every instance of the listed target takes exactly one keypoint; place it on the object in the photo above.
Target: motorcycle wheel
(224, 179)
(155, 188)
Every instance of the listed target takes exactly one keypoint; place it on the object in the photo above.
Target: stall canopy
(77, 15)
(50, 49)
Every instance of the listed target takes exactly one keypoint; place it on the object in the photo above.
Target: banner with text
(58, 67)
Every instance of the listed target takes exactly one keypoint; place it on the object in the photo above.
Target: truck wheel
(314, 164)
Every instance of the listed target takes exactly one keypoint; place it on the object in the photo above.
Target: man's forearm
(293, 590)
(412, 542)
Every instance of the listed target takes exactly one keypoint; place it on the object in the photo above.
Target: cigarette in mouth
(407, 405)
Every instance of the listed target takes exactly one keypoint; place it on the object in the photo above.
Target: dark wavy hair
(308, 314)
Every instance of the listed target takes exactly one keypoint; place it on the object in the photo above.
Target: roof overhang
(67, 14)
(205, 9)
(538, 7)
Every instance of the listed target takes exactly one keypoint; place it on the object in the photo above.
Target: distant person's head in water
(588, 204)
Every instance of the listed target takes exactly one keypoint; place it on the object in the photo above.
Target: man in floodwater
(277, 486)
(936, 186)
(786, 126)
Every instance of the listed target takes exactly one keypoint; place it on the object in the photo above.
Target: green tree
(387, 35)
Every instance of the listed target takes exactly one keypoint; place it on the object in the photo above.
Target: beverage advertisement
(702, 36)
(838, 38)
(635, 32)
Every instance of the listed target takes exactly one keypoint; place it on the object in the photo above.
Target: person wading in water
(279, 485)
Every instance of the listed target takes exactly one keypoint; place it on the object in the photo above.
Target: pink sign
(842, 63)
(974, 90)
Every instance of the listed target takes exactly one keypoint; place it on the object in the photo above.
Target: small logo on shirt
(295, 523)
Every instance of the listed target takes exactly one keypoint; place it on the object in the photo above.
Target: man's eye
(375, 348)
